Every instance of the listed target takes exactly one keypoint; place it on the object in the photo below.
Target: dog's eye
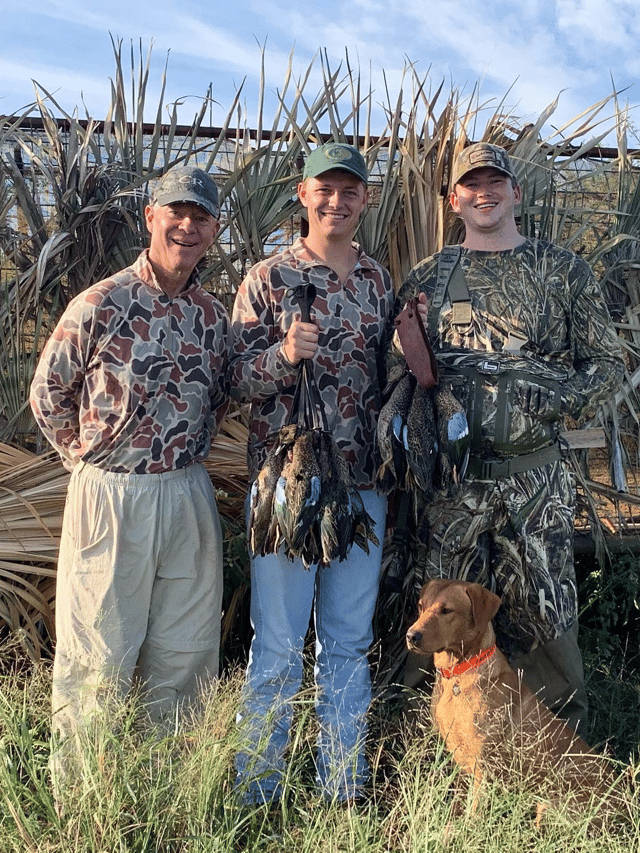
(445, 610)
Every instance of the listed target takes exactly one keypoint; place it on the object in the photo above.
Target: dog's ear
(484, 604)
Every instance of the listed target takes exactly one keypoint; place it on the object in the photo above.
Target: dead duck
(392, 435)
(422, 442)
(261, 510)
(298, 494)
(342, 518)
(334, 512)
(453, 436)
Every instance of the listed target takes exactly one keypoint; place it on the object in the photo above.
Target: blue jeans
(342, 597)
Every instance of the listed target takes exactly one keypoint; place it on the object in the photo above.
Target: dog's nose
(413, 638)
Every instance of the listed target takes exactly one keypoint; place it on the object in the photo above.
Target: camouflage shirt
(540, 308)
(131, 380)
(349, 366)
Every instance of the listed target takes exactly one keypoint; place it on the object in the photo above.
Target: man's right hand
(301, 341)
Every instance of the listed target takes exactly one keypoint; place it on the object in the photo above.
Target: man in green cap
(346, 339)
(523, 337)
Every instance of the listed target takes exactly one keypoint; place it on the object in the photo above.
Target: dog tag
(461, 313)
(456, 689)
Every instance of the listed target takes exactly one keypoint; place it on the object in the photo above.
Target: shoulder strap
(450, 278)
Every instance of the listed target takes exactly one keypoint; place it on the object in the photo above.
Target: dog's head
(453, 617)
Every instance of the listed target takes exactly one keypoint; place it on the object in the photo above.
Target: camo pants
(513, 535)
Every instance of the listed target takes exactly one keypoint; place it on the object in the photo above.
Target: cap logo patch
(189, 181)
(482, 156)
(337, 152)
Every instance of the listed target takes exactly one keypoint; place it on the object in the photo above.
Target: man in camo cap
(130, 389)
(482, 155)
(524, 338)
(346, 340)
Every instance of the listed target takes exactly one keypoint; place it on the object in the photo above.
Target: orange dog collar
(470, 663)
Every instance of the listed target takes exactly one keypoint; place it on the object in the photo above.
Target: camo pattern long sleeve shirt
(349, 365)
(538, 309)
(134, 381)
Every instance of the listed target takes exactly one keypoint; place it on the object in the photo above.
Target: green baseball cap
(335, 155)
(480, 156)
(188, 184)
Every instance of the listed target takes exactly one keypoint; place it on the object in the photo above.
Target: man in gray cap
(130, 389)
(524, 338)
(346, 341)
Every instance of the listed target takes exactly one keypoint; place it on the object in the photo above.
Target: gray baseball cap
(335, 155)
(188, 184)
(480, 156)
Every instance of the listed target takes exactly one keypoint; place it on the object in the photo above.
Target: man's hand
(301, 341)
(537, 401)
(423, 310)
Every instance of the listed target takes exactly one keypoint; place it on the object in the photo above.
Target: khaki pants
(139, 591)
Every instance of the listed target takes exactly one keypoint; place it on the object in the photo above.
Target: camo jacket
(538, 310)
(349, 365)
(134, 381)
(514, 534)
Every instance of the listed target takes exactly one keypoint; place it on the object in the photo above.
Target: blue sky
(532, 49)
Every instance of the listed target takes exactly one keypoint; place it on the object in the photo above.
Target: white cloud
(598, 24)
(58, 81)
(534, 48)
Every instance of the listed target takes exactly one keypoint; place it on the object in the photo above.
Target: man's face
(181, 234)
(334, 201)
(485, 199)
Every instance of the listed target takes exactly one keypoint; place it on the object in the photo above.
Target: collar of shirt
(303, 257)
(143, 269)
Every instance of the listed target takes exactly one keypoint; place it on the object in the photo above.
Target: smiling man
(346, 339)
(130, 390)
(524, 338)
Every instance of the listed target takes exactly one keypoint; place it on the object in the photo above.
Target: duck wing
(422, 441)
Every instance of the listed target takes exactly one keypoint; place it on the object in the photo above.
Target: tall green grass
(136, 789)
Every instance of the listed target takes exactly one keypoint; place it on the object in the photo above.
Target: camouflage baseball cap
(188, 184)
(335, 155)
(479, 156)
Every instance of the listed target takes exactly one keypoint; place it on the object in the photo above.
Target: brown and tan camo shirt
(131, 380)
(349, 365)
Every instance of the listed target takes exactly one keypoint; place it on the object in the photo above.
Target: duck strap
(307, 408)
(450, 279)
(416, 346)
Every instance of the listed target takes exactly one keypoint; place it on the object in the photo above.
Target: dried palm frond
(262, 176)
(226, 465)
(425, 150)
(32, 499)
(32, 496)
